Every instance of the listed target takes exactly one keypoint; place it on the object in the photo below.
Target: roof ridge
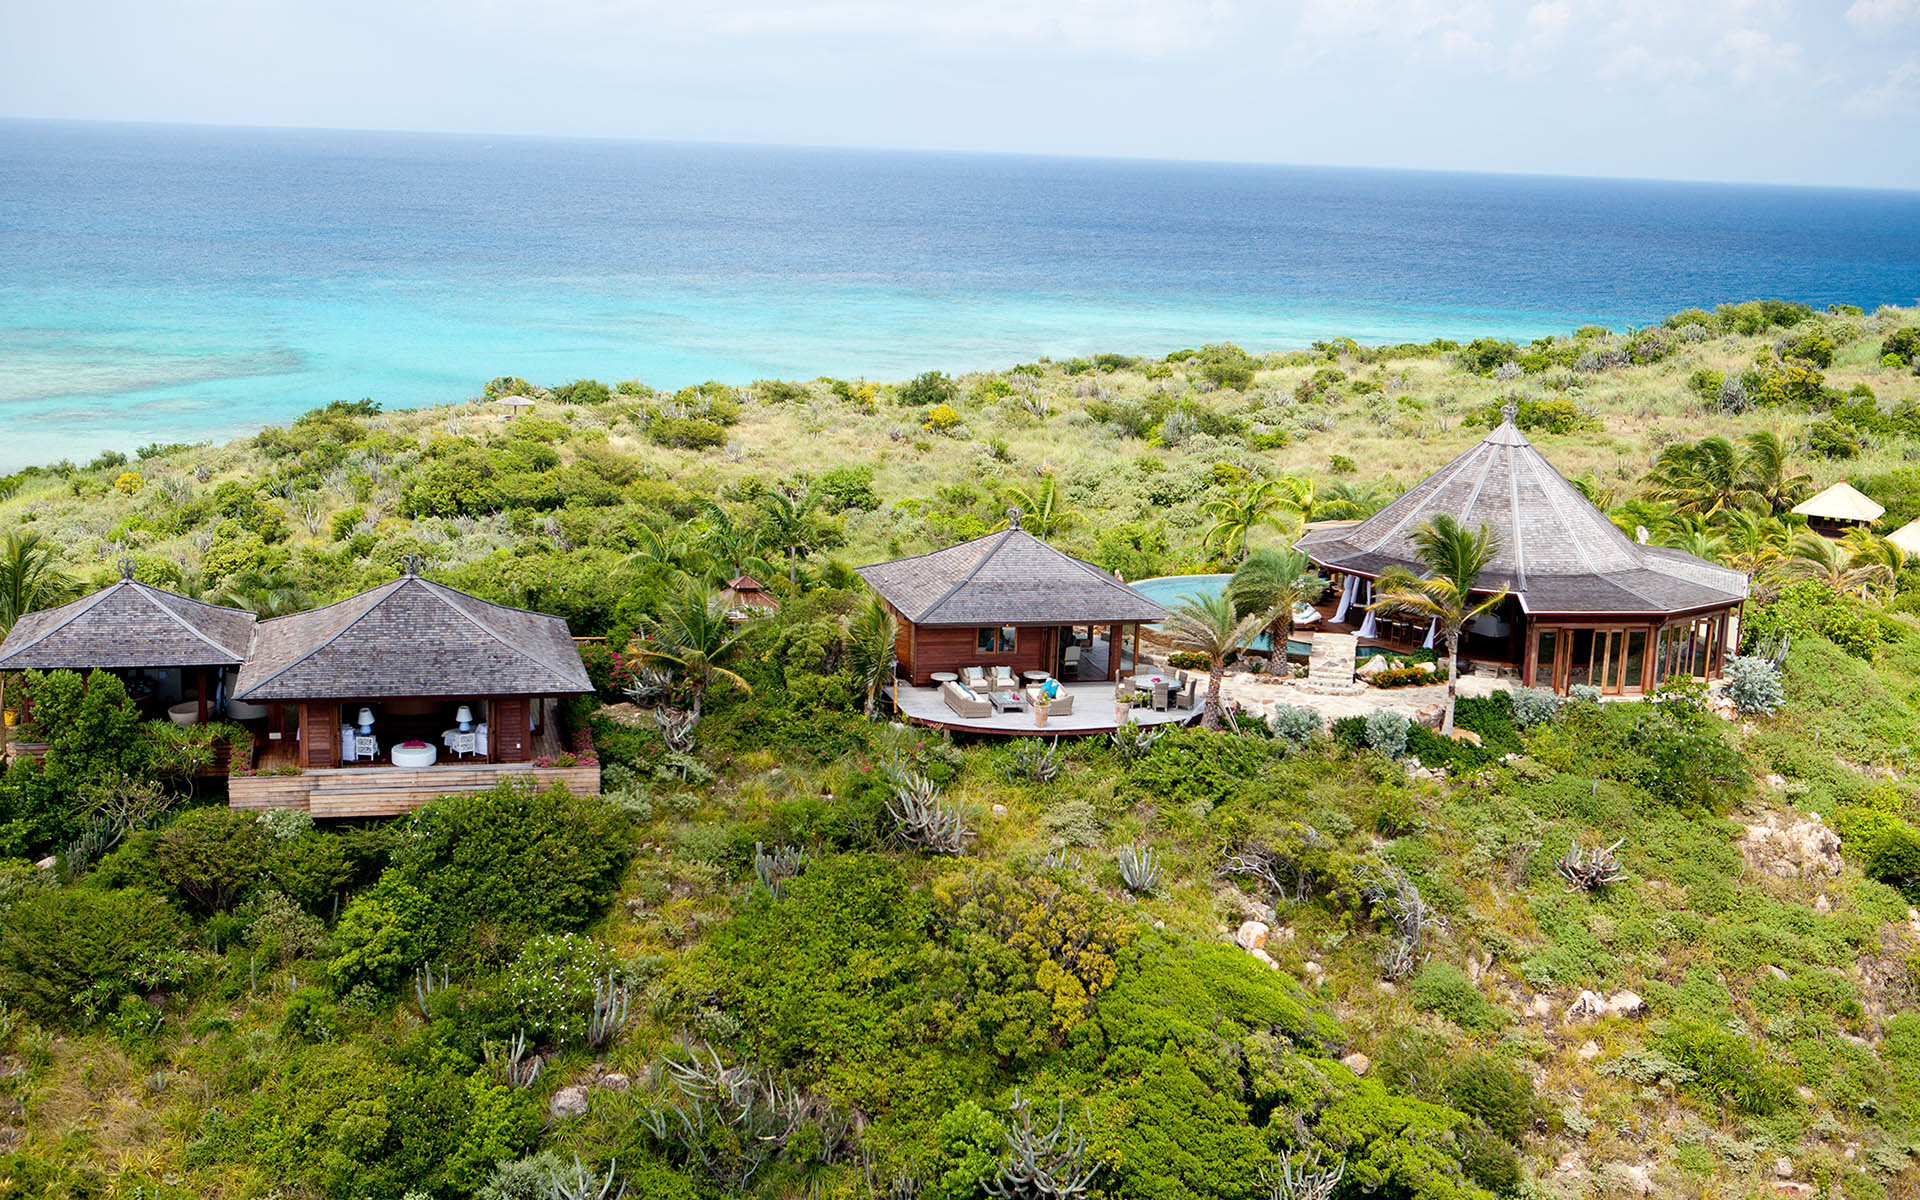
(1440, 479)
(146, 593)
(435, 590)
(82, 609)
(980, 562)
(329, 640)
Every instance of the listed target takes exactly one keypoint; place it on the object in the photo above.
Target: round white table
(411, 754)
(944, 676)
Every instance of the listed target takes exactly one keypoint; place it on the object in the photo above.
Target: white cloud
(1549, 20)
(1753, 55)
(1143, 27)
(1899, 92)
(1636, 62)
(1877, 13)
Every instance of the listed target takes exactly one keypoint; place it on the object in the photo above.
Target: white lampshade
(463, 714)
(366, 716)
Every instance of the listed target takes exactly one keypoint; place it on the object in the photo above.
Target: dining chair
(1160, 695)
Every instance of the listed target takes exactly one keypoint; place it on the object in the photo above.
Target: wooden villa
(412, 690)
(177, 655)
(1009, 604)
(1586, 604)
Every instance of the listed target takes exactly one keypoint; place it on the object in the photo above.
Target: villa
(1586, 604)
(985, 623)
(368, 707)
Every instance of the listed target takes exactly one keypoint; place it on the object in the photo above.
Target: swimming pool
(1169, 590)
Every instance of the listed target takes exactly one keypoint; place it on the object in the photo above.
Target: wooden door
(510, 731)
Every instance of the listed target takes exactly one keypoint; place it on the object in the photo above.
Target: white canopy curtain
(1433, 627)
(1369, 627)
(1347, 590)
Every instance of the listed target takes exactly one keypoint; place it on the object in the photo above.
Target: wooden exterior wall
(509, 729)
(1605, 663)
(921, 650)
(350, 792)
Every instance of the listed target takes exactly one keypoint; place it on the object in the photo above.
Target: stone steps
(1330, 665)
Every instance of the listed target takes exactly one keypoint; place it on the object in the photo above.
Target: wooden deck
(380, 789)
(1092, 713)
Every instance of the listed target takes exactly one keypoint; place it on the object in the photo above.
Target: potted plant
(11, 716)
(1041, 703)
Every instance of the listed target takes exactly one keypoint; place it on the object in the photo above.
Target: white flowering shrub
(551, 984)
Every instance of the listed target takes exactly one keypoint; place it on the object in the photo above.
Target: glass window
(1543, 658)
(1636, 659)
(990, 639)
(1582, 671)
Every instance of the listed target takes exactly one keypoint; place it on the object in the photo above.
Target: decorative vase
(1040, 715)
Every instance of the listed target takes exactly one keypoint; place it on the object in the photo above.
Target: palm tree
(789, 525)
(1705, 476)
(1273, 582)
(1454, 557)
(1769, 475)
(1754, 542)
(1695, 534)
(1346, 500)
(693, 636)
(871, 634)
(1830, 562)
(1042, 512)
(29, 580)
(1271, 503)
(1208, 625)
(1870, 551)
(266, 593)
(668, 546)
(733, 545)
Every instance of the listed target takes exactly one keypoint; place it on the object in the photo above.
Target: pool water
(1168, 590)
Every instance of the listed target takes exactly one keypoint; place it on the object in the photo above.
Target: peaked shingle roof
(1557, 552)
(411, 637)
(1841, 502)
(124, 626)
(1907, 537)
(1006, 578)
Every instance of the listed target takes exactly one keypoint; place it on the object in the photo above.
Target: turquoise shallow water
(171, 284)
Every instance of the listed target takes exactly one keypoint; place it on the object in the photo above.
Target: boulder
(569, 1102)
(1789, 1187)
(1792, 847)
(616, 1082)
(1588, 1051)
(1252, 935)
(1634, 1179)
(48, 863)
(1586, 1006)
(1373, 666)
(1466, 735)
(1540, 1008)
(1783, 1167)
(1357, 1062)
(999, 812)
(1822, 905)
(1626, 1004)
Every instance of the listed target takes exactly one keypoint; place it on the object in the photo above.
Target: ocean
(162, 283)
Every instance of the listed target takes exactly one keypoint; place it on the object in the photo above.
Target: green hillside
(740, 972)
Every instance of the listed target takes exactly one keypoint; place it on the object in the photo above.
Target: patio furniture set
(466, 739)
(1163, 694)
(978, 692)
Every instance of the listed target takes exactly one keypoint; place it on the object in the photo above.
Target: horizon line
(950, 151)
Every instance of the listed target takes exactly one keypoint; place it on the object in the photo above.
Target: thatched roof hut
(744, 593)
(1841, 504)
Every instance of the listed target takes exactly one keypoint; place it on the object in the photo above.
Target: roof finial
(126, 569)
(1509, 412)
(1013, 516)
(410, 564)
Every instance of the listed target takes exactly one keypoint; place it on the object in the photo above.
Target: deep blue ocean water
(172, 284)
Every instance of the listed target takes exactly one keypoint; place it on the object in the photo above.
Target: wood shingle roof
(125, 626)
(1557, 552)
(1006, 578)
(411, 637)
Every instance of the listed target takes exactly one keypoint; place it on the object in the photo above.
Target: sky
(1777, 91)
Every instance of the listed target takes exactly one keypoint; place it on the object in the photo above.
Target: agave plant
(516, 1066)
(774, 868)
(1307, 1181)
(609, 1012)
(924, 818)
(1140, 869)
(1133, 740)
(1590, 869)
(1031, 761)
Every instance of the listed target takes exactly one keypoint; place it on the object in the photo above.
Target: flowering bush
(551, 984)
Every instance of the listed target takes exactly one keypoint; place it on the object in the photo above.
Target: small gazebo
(746, 596)
(1838, 509)
(173, 651)
(1907, 538)
(1010, 600)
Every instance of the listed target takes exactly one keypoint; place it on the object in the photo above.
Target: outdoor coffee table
(1007, 701)
(944, 676)
(1034, 676)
